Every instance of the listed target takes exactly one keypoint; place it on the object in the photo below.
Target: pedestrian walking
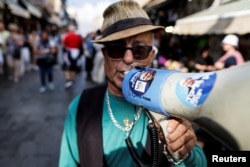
(14, 44)
(73, 50)
(98, 74)
(25, 53)
(89, 54)
(33, 40)
(45, 61)
(4, 34)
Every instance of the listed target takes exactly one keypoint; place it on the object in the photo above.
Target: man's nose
(128, 56)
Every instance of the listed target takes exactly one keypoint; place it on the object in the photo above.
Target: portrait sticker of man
(194, 90)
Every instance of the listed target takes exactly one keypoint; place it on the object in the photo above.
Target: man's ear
(155, 50)
(153, 53)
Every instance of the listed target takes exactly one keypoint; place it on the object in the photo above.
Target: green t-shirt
(114, 146)
(115, 149)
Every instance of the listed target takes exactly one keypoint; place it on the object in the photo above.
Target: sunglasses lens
(141, 52)
(115, 51)
(118, 51)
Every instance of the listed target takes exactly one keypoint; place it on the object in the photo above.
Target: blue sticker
(194, 90)
(140, 82)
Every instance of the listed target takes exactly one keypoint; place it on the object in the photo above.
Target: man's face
(115, 67)
(189, 82)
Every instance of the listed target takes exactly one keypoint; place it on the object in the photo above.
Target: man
(46, 59)
(14, 44)
(89, 54)
(198, 88)
(72, 43)
(102, 128)
(4, 34)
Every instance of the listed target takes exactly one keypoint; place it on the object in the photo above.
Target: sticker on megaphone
(193, 90)
(143, 87)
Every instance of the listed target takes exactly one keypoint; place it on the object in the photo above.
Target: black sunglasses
(116, 51)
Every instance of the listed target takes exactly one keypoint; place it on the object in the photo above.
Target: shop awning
(143, 2)
(152, 4)
(233, 17)
(54, 19)
(1, 5)
(33, 10)
(17, 9)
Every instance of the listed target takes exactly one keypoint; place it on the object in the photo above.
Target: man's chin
(117, 84)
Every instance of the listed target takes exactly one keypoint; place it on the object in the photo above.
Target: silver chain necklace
(127, 128)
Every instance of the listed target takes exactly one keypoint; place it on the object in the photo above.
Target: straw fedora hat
(124, 19)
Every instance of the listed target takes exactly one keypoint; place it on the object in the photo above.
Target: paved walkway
(31, 123)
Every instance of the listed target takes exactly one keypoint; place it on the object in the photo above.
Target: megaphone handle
(173, 158)
(163, 122)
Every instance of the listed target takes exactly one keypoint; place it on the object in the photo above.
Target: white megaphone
(217, 101)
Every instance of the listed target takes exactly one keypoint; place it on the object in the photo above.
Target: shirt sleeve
(196, 158)
(69, 155)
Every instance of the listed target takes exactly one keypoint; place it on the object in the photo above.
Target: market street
(31, 123)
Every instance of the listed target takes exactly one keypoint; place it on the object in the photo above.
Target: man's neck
(114, 90)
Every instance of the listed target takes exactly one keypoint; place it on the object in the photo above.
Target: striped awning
(17, 9)
(233, 17)
(33, 10)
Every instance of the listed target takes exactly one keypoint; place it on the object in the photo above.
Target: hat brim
(128, 33)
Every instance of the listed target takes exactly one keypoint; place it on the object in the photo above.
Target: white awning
(54, 19)
(1, 5)
(33, 10)
(153, 3)
(233, 17)
(17, 10)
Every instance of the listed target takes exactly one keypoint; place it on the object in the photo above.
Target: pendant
(126, 122)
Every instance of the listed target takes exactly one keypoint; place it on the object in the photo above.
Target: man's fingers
(185, 149)
(180, 141)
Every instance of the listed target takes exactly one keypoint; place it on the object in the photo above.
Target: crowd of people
(203, 60)
(40, 50)
(23, 51)
(20, 52)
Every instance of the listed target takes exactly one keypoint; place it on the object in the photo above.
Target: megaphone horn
(217, 101)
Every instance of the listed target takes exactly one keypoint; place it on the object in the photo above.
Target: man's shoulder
(91, 99)
(93, 91)
(72, 109)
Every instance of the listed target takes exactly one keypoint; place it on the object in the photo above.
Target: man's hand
(180, 137)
